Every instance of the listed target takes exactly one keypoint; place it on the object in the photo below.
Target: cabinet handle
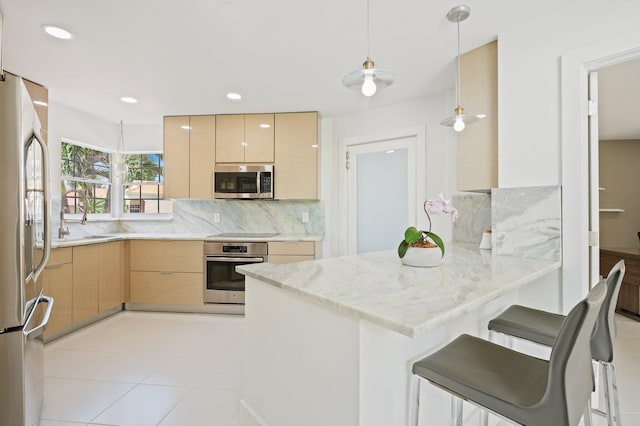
(166, 272)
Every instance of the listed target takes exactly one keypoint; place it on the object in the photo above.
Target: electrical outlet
(216, 217)
(305, 217)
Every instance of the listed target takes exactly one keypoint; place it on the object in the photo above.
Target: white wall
(440, 150)
(77, 126)
(532, 124)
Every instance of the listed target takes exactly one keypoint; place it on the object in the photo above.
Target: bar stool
(543, 327)
(519, 387)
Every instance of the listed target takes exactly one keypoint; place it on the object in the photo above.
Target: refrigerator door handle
(45, 319)
(46, 212)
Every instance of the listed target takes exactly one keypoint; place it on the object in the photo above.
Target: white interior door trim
(575, 67)
(419, 132)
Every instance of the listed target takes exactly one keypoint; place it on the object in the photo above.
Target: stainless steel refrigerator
(24, 251)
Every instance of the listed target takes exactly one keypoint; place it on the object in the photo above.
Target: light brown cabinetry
(291, 251)
(110, 276)
(85, 282)
(296, 156)
(189, 156)
(477, 148)
(57, 282)
(166, 272)
(245, 138)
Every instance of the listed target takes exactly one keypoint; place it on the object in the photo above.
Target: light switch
(216, 217)
(305, 217)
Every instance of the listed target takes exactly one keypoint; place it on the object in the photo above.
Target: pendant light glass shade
(459, 120)
(368, 79)
(120, 168)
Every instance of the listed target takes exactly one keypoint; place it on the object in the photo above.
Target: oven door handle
(235, 259)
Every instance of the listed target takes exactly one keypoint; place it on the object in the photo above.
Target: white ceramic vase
(424, 257)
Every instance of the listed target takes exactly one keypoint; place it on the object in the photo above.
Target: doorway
(381, 182)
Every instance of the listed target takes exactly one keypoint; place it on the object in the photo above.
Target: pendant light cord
(368, 28)
(121, 143)
(458, 73)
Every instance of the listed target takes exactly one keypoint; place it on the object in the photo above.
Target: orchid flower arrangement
(414, 237)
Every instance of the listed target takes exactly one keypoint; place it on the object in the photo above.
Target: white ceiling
(282, 55)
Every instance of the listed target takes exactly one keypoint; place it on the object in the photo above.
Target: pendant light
(120, 168)
(459, 120)
(368, 79)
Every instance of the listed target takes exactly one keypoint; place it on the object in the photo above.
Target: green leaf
(402, 248)
(437, 240)
(411, 235)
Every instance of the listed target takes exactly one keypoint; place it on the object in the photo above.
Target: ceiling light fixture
(234, 96)
(57, 32)
(369, 78)
(459, 120)
(128, 100)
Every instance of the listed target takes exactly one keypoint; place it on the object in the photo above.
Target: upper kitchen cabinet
(296, 156)
(477, 156)
(245, 138)
(189, 156)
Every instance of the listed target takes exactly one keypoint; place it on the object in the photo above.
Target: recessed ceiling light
(265, 125)
(234, 96)
(128, 100)
(391, 151)
(185, 127)
(40, 103)
(57, 32)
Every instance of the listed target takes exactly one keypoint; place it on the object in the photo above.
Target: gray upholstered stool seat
(527, 323)
(520, 387)
(543, 327)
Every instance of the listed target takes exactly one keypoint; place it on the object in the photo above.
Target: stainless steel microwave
(243, 181)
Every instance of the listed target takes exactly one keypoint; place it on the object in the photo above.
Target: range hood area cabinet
(477, 148)
(244, 138)
(189, 156)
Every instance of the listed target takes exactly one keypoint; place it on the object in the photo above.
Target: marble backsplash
(197, 216)
(474, 217)
(527, 222)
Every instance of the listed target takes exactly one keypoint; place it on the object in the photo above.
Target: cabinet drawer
(167, 256)
(292, 248)
(60, 256)
(279, 259)
(175, 288)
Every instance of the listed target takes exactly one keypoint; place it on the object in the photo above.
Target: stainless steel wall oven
(222, 284)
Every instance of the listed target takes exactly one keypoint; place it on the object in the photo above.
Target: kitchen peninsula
(331, 341)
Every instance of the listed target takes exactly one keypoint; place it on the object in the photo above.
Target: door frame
(418, 132)
(575, 69)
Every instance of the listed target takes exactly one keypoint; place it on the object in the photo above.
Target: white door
(594, 183)
(381, 193)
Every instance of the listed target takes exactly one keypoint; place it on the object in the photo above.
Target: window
(143, 187)
(86, 183)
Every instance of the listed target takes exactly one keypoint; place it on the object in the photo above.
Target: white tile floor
(138, 368)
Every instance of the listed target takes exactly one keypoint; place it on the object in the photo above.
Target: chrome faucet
(61, 230)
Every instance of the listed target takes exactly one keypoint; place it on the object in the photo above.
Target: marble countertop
(412, 301)
(76, 240)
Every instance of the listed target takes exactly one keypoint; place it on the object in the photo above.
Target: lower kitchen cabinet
(291, 251)
(110, 276)
(166, 272)
(175, 288)
(85, 282)
(57, 283)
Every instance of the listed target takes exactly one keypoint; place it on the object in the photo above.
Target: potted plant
(425, 248)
